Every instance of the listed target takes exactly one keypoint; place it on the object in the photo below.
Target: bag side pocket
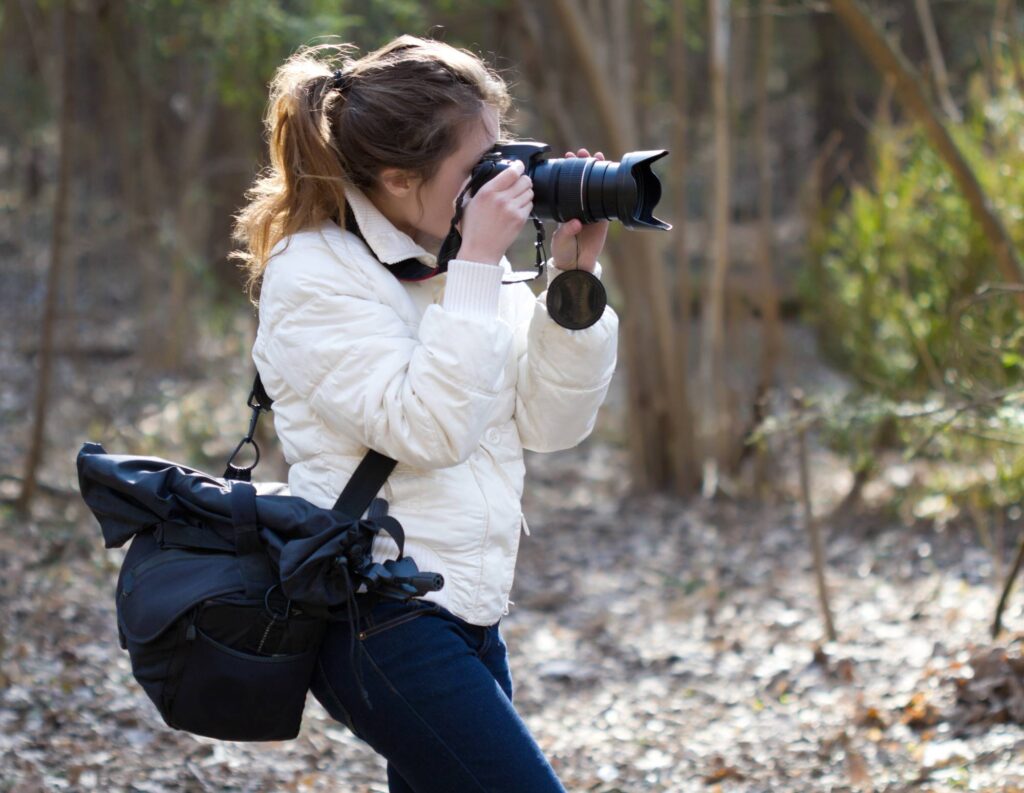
(226, 693)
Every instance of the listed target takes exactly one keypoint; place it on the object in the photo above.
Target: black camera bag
(226, 589)
(213, 648)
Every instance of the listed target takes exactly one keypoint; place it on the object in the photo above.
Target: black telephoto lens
(592, 189)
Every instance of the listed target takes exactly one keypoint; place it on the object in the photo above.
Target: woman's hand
(493, 218)
(591, 237)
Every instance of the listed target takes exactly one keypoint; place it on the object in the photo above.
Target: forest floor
(656, 644)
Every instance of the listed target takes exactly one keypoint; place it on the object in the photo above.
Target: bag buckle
(233, 471)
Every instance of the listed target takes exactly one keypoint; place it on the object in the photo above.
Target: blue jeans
(440, 701)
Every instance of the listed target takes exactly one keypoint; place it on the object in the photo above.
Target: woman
(452, 376)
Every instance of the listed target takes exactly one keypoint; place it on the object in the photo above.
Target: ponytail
(303, 186)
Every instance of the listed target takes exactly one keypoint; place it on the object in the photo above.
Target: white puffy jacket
(452, 377)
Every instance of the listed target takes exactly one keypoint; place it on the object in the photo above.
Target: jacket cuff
(472, 288)
(553, 271)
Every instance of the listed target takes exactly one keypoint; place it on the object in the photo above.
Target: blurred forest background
(776, 565)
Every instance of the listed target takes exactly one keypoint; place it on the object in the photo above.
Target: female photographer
(452, 376)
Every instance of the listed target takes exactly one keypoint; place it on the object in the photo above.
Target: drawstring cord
(352, 613)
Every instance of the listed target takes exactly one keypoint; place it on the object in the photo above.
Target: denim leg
(494, 655)
(439, 712)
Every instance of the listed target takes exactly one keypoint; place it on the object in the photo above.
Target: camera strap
(452, 243)
(415, 270)
(576, 299)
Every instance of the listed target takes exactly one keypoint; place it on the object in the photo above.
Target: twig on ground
(997, 622)
(812, 526)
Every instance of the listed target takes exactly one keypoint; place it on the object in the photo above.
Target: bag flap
(165, 584)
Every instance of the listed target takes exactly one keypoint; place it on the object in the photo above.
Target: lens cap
(576, 299)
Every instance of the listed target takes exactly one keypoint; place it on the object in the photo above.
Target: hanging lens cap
(576, 299)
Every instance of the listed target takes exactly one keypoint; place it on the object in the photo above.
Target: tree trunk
(907, 86)
(772, 330)
(629, 35)
(835, 101)
(938, 63)
(712, 308)
(620, 16)
(643, 441)
(1013, 29)
(1004, 29)
(683, 448)
(137, 178)
(545, 82)
(644, 287)
(769, 295)
(53, 276)
(642, 84)
(192, 218)
(156, 322)
(637, 336)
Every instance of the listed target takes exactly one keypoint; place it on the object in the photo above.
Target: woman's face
(437, 195)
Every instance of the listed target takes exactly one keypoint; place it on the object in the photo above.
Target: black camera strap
(452, 243)
(576, 299)
(405, 270)
(415, 270)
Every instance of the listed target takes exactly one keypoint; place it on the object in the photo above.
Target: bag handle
(255, 565)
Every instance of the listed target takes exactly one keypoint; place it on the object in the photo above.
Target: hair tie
(340, 81)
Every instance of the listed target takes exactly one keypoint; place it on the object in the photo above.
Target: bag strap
(366, 481)
(357, 496)
(259, 393)
(252, 558)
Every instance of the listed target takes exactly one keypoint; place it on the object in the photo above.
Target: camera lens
(592, 189)
(582, 187)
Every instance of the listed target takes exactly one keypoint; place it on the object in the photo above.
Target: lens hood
(638, 190)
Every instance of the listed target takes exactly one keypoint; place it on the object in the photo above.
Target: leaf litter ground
(656, 645)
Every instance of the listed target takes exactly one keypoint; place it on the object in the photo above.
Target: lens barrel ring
(569, 189)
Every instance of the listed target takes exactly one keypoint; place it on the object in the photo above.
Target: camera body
(581, 187)
(504, 153)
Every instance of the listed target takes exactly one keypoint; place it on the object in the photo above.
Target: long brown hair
(401, 106)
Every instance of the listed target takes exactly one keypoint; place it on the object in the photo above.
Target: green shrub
(911, 303)
(901, 259)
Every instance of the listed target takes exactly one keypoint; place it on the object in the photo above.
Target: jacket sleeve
(563, 375)
(422, 401)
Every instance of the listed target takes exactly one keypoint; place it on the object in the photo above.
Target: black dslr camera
(581, 187)
(585, 188)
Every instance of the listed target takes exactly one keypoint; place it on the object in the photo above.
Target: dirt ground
(656, 645)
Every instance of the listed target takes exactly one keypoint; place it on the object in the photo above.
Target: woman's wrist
(473, 254)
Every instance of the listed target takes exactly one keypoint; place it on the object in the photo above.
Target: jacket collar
(388, 244)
